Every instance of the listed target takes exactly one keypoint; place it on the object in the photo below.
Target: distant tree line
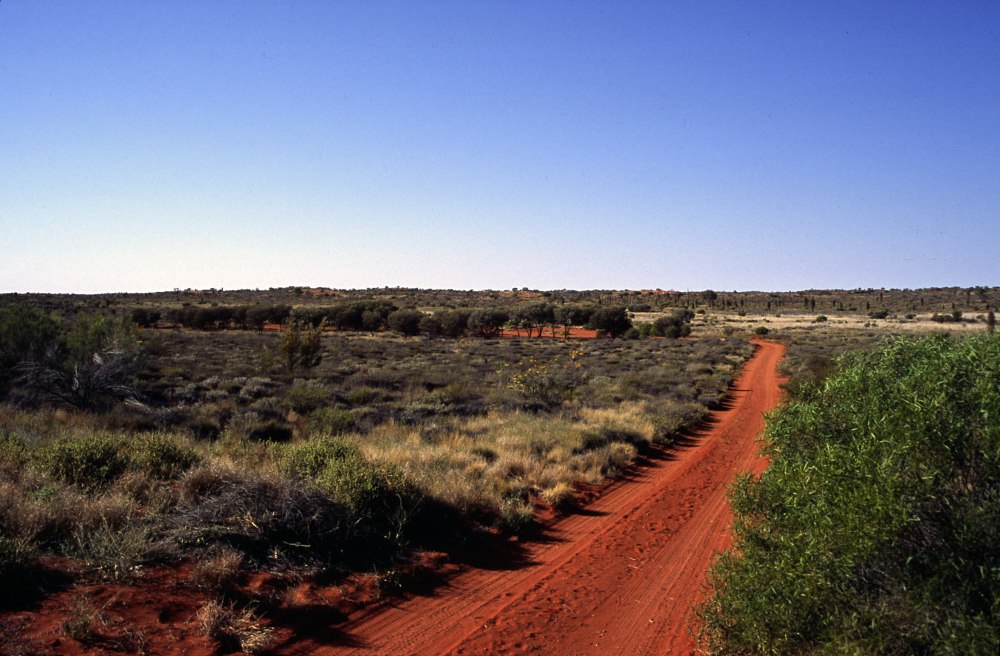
(533, 319)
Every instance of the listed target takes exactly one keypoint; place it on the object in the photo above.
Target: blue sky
(680, 145)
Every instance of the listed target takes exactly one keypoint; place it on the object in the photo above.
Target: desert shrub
(307, 460)
(363, 395)
(235, 628)
(879, 314)
(90, 462)
(613, 321)
(145, 317)
(112, 548)
(516, 515)
(487, 322)
(405, 321)
(26, 335)
(820, 319)
(332, 421)
(761, 330)
(13, 452)
(16, 560)
(306, 397)
(266, 517)
(372, 491)
(159, 455)
(300, 344)
(454, 323)
(674, 325)
(876, 527)
(218, 570)
(430, 326)
(96, 364)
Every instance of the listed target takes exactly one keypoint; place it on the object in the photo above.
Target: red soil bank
(621, 577)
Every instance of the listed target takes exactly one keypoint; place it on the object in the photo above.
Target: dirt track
(620, 577)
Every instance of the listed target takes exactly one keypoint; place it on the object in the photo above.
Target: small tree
(454, 323)
(487, 322)
(405, 321)
(96, 365)
(300, 344)
(674, 325)
(612, 321)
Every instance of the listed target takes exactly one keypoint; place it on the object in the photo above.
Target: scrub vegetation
(317, 450)
(311, 433)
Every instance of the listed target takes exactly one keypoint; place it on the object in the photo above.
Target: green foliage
(26, 335)
(876, 528)
(159, 456)
(16, 559)
(337, 467)
(95, 365)
(332, 421)
(406, 321)
(305, 461)
(674, 325)
(761, 330)
(299, 344)
(487, 322)
(91, 462)
(544, 384)
(306, 397)
(613, 321)
(13, 452)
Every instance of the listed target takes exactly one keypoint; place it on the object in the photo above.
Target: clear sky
(469, 145)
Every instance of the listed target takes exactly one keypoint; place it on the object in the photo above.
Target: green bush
(12, 450)
(305, 461)
(16, 559)
(876, 529)
(337, 467)
(332, 421)
(306, 397)
(674, 325)
(159, 456)
(91, 462)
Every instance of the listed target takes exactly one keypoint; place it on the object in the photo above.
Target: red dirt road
(620, 577)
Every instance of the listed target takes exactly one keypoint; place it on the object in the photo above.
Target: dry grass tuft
(227, 624)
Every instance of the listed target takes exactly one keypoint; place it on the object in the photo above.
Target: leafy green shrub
(876, 527)
(16, 558)
(366, 488)
(306, 397)
(332, 421)
(305, 461)
(13, 452)
(337, 467)
(761, 330)
(674, 325)
(159, 456)
(363, 395)
(90, 462)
